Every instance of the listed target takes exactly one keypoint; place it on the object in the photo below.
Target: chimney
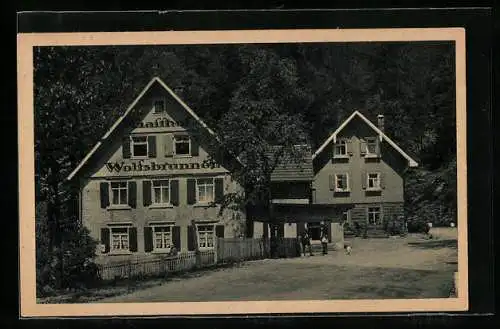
(380, 118)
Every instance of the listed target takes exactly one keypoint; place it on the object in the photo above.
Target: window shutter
(191, 191)
(174, 192)
(132, 236)
(219, 231)
(105, 238)
(382, 180)
(148, 239)
(169, 145)
(132, 194)
(332, 182)
(146, 193)
(191, 237)
(219, 189)
(104, 193)
(349, 181)
(126, 147)
(176, 237)
(363, 179)
(152, 146)
(195, 147)
(362, 147)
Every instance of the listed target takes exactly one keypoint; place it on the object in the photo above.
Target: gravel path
(377, 268)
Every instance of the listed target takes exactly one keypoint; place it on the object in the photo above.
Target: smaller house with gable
(361, 169)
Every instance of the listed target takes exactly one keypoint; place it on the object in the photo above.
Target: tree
(261, 99)
(263, 124)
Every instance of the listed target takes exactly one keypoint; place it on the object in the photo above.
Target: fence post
(216, 247)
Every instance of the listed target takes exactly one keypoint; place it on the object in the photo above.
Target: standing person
(306, 242)
(324, 243)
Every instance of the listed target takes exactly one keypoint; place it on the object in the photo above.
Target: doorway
(314, 230)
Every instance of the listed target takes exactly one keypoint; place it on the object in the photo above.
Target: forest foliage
(253, 96)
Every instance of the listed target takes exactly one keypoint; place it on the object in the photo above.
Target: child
(347, 248)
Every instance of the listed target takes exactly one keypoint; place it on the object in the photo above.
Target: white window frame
(347, 215)
(373, 188)
(198, 185)
(159, 99)
(379, 212)
(121, 236)
(174, 141)
(111, 195)
(203, 236)
(369, 141)
(133, 143)
(161, 187)
(336, 146)
(169, 237)
(347, 188)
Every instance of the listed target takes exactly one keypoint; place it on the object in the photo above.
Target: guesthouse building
(152, 183)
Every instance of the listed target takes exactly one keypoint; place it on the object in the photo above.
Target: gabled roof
(291, 169)
(127, 112)
(380, 133)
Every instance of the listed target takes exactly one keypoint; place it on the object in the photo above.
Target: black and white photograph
(268, 171)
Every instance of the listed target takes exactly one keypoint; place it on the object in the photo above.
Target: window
(206, 236)
(161, 191)
(346, 217)
(374, 217)
(159, 105)
(340, 148)
(139, 146)
(373, 181)
(162, 237)
(341, 182)
(205, 190)
(371, 145)
(182, 145)
(119, 193)
(119, 239)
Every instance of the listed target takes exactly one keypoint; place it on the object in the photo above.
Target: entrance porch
(292, 220)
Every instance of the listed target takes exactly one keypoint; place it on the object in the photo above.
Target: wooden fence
(227, 250)
(160, 266)
(236, 249)
(242, 249)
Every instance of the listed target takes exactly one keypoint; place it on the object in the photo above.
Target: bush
(394, 227)
(76, 252)
(357, 229)
(418, 226)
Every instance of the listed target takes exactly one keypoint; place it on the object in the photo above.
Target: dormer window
(340, 148)
(139, 146)
(159, 105)
(371, 146)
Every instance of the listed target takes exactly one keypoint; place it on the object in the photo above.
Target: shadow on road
(435, 244)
